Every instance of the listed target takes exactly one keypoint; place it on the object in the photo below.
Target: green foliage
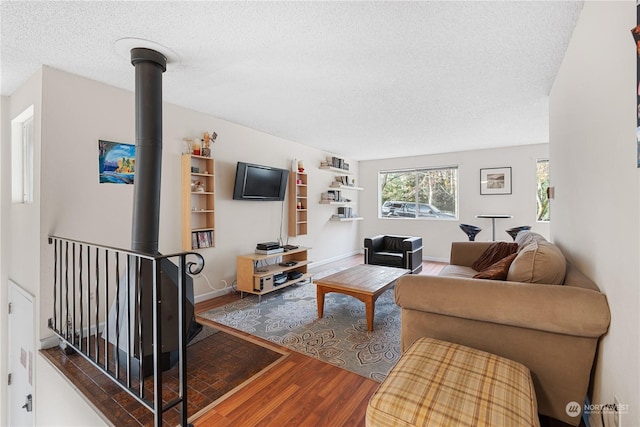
(542, 181)
(437, 187)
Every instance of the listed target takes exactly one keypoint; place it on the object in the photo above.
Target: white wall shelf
(336, 170)
(346, 187)
(356, 218)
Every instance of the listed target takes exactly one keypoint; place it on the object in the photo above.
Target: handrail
(87, 277)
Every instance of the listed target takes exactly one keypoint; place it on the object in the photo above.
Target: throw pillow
(494, 253)
(538, 262)
(498, 270)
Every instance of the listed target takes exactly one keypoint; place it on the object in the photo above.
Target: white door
(21, 356)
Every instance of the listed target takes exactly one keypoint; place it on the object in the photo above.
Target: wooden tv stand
(256, 269)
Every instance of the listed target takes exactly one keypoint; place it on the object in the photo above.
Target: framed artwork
(495, 181)
(116, 162)
(636, 37)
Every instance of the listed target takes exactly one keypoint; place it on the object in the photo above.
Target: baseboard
(434, 259)
(335, 258)
(49, 342)
(212, 294)
(54, 341)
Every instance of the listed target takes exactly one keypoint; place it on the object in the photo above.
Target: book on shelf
(202, 239)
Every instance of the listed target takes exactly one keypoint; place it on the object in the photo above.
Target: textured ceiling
(364, 80)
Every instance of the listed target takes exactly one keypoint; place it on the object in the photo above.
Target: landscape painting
(116, 162)
(495, 181)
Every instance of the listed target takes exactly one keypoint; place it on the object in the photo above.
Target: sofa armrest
(466, 253)
(411, 244)
(558, 309)
(374, 243)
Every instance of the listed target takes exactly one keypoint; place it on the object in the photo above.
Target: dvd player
(269, 251)
(266, 246)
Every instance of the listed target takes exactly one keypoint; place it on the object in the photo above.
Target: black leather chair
(394, 251)
(513, 232)
(470, 230)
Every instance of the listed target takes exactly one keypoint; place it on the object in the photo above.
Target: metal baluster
(89, 301)
(81, 283)
(182, 341)
(117, 350)
(73, 281)
(97, 291)
(60, 329)
(66, 289)
(140, 324)
(129, 340)
(106, 310)
(157, 347)
(55, 283)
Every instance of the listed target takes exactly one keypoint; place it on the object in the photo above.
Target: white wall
(593, 167)
(19, 223)
(64, 405)
(5, 195)
(437, 235)
(71, 115)
(81, 111)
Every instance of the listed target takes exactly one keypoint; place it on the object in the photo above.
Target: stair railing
(87, 279)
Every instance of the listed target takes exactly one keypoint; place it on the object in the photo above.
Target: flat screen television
(261, 183)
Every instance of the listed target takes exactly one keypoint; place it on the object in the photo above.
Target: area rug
(289, 317)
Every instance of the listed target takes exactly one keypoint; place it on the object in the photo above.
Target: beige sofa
(552, 329)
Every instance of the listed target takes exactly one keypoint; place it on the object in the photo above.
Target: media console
(260, 274)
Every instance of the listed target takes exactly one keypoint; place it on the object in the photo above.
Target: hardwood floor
(297, 391)
(301, 391)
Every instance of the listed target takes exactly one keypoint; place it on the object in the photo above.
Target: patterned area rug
(289, 317)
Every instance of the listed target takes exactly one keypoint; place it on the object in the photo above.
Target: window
(419, 193)
(22, 157)
(542, 184)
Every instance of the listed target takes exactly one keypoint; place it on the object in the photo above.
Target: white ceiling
(363, 80)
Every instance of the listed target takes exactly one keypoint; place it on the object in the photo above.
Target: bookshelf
(198, 202)
(298, 204)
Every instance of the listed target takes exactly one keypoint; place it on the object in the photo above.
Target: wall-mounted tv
(257, 182)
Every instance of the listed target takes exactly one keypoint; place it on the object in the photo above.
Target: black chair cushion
(391, 259)
(393, 243)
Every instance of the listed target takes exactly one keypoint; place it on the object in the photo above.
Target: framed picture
(495, 181)
(116, 162)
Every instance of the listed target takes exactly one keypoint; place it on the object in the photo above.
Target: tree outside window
(542, 181)
(419, 193)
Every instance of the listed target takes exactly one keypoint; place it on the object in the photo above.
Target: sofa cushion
(392, 243)
(391, 259)
(525, 237)
(453, 270)
(497, 270)
(538, 262)
(493, 254)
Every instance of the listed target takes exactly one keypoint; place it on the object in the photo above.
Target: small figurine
(207, 140)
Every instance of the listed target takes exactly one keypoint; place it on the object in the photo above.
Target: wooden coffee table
(365, 282)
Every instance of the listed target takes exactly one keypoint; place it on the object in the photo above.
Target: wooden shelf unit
(253, 267)
(298, 204)
(198, 207)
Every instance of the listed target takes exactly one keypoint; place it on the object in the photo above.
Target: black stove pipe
(149, 66)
